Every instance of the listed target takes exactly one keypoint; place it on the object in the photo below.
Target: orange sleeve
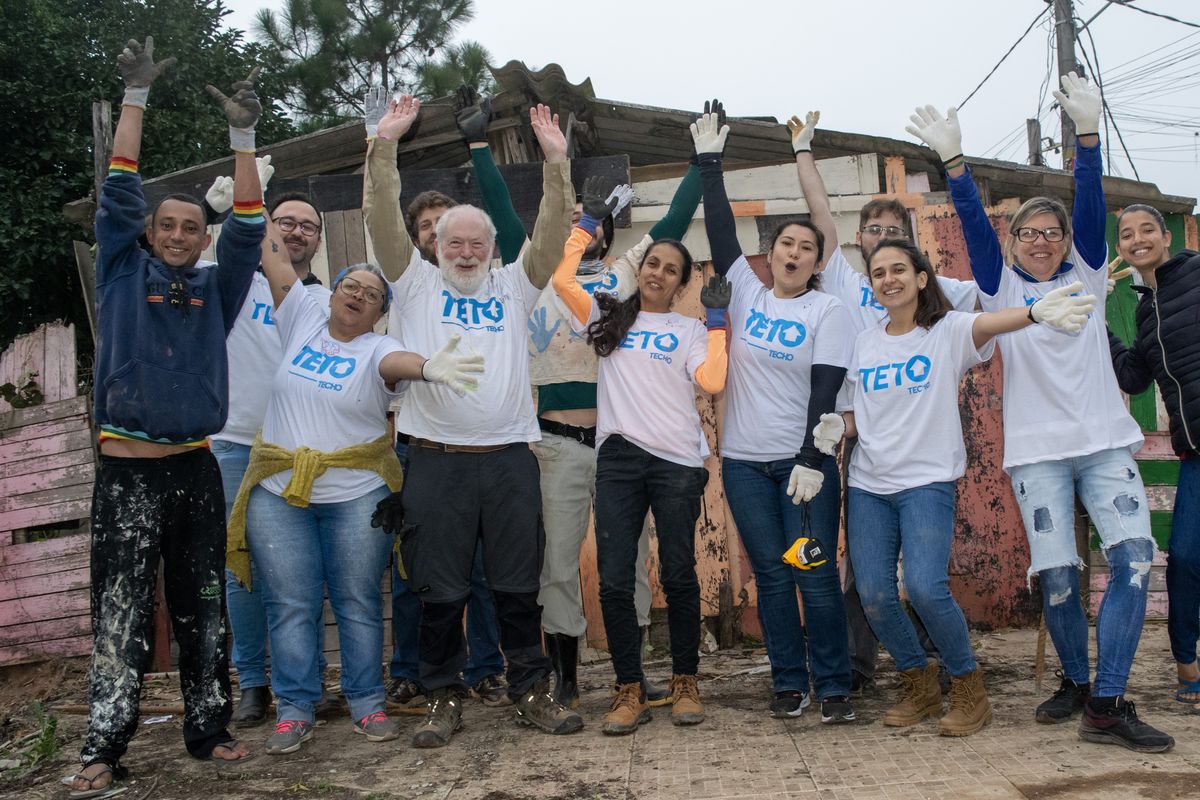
(710, 376)
(565, 283)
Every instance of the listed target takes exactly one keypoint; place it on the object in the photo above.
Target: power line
(1129, 4)
(1020, 39)
(1108, 115)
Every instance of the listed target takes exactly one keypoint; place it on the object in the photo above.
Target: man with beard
(254, 351)
(473, 479)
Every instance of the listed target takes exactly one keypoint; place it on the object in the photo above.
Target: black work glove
(389, 514)
(472, 114)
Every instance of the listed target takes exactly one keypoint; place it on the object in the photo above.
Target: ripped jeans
(1111, 489)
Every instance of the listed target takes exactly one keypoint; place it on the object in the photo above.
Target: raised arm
(1063, 308)
(715, 296)
(472, 115)
(558, 199)
(565, 279)
(1081, 100)
(811, 183)
(945, 137)
(709, 135)
(276, 265)
(381, 183)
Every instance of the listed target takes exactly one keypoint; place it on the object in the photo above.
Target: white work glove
(802, 132)
(828, 432)
(1059, 309)
(457, 372)
(708, 134)
(1082, 102)
(623, 194)
(940, 133)
(265, 171)
(375, 105)
(220, 195)
(804, 484)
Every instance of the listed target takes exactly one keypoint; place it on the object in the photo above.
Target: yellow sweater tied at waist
(307, 465)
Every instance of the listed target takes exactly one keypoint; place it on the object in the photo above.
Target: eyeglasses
(288, 224)
(1032, 234)
(890, 230)
(351, 288)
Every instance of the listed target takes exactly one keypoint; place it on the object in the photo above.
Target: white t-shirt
(493, 322)
(905, 395)
(854, 289)
(774, 343)
(646, 390)
(254, 352)
(1061, 398)
(327, 395)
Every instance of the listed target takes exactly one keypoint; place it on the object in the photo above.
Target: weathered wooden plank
(45, 566)
(38, 585)
(1162, 498)
(41, 430)
(33, 448)
(47, 497)
(1157, 447)
(24, 355)
(44, 515)
(29, 552)
(47, 479)
(40, 463)
(58, 364)
(45, 651)
(356, 239)
(334, 234)
(1158, 580)
(45, 412)
(49, 606)
(48, 630)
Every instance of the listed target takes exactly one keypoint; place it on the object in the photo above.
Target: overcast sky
(866, 63)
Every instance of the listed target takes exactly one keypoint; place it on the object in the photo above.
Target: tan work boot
(628, 710)
(969, 706)
(922, 697)
(685, 701)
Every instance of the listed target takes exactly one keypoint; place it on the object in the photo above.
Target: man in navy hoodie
(160, 389)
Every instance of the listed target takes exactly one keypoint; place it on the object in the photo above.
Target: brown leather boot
(922, 697)
(628, 710)
(685, 701)
(969, 706)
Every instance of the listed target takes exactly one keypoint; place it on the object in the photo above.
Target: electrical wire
(1108, 115)
(1004, 57)
(1129, 4)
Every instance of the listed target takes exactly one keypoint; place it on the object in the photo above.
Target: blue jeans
(768, 522)
(483, 632)
(301, 552)
(1183, 564)
(1110, 487)
(918, 523)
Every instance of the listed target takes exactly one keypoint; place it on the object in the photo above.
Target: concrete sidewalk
(738, 753)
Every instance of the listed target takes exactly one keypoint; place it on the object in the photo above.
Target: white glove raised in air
(623, 194)
(802, 132)
(828, 432)
(1081, 100)
(375, 105)
(804, 484)
(265, 171)
(220, 195)
(940, 133)
(709, 134)
(1063, 309)
(457, 372)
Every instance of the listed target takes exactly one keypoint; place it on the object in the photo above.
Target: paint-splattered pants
(144, 509)
(1110, 487)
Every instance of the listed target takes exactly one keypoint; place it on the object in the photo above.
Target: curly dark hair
(617, 316)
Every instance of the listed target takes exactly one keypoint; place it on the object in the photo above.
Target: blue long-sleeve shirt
(161, 372)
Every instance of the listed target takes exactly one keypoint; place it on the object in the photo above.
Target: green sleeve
(683, 206)
(510, 233)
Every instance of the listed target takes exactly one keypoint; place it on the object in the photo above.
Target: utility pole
(1064, 36)
(1033, 135)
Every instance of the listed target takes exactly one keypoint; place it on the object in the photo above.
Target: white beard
(466, 283)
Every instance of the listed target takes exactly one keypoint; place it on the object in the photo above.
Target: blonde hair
(1031, 208)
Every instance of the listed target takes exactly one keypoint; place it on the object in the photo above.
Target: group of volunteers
(245, 439)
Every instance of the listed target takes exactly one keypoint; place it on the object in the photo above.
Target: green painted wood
(1159, 473)
(1160, 530)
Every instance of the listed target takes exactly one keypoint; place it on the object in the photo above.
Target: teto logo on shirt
(868, 299)
(325, 363)
(781, 332)
(472, 314)
(656, 345)
(262, 311)
(606, 285)
(912, 375)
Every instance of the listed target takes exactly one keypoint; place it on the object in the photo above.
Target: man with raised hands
(472, 477)
(160, 390)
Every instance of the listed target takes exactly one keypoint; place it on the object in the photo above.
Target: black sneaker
(1113, 720)
(836, 709)
(492, 691)
(406, 697)
(1065, 703)
(789, 704)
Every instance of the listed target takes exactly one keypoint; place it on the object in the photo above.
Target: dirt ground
(739, 752)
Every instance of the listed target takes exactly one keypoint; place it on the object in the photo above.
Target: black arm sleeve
(718, 216)
(1133, 374)
(824, 383)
